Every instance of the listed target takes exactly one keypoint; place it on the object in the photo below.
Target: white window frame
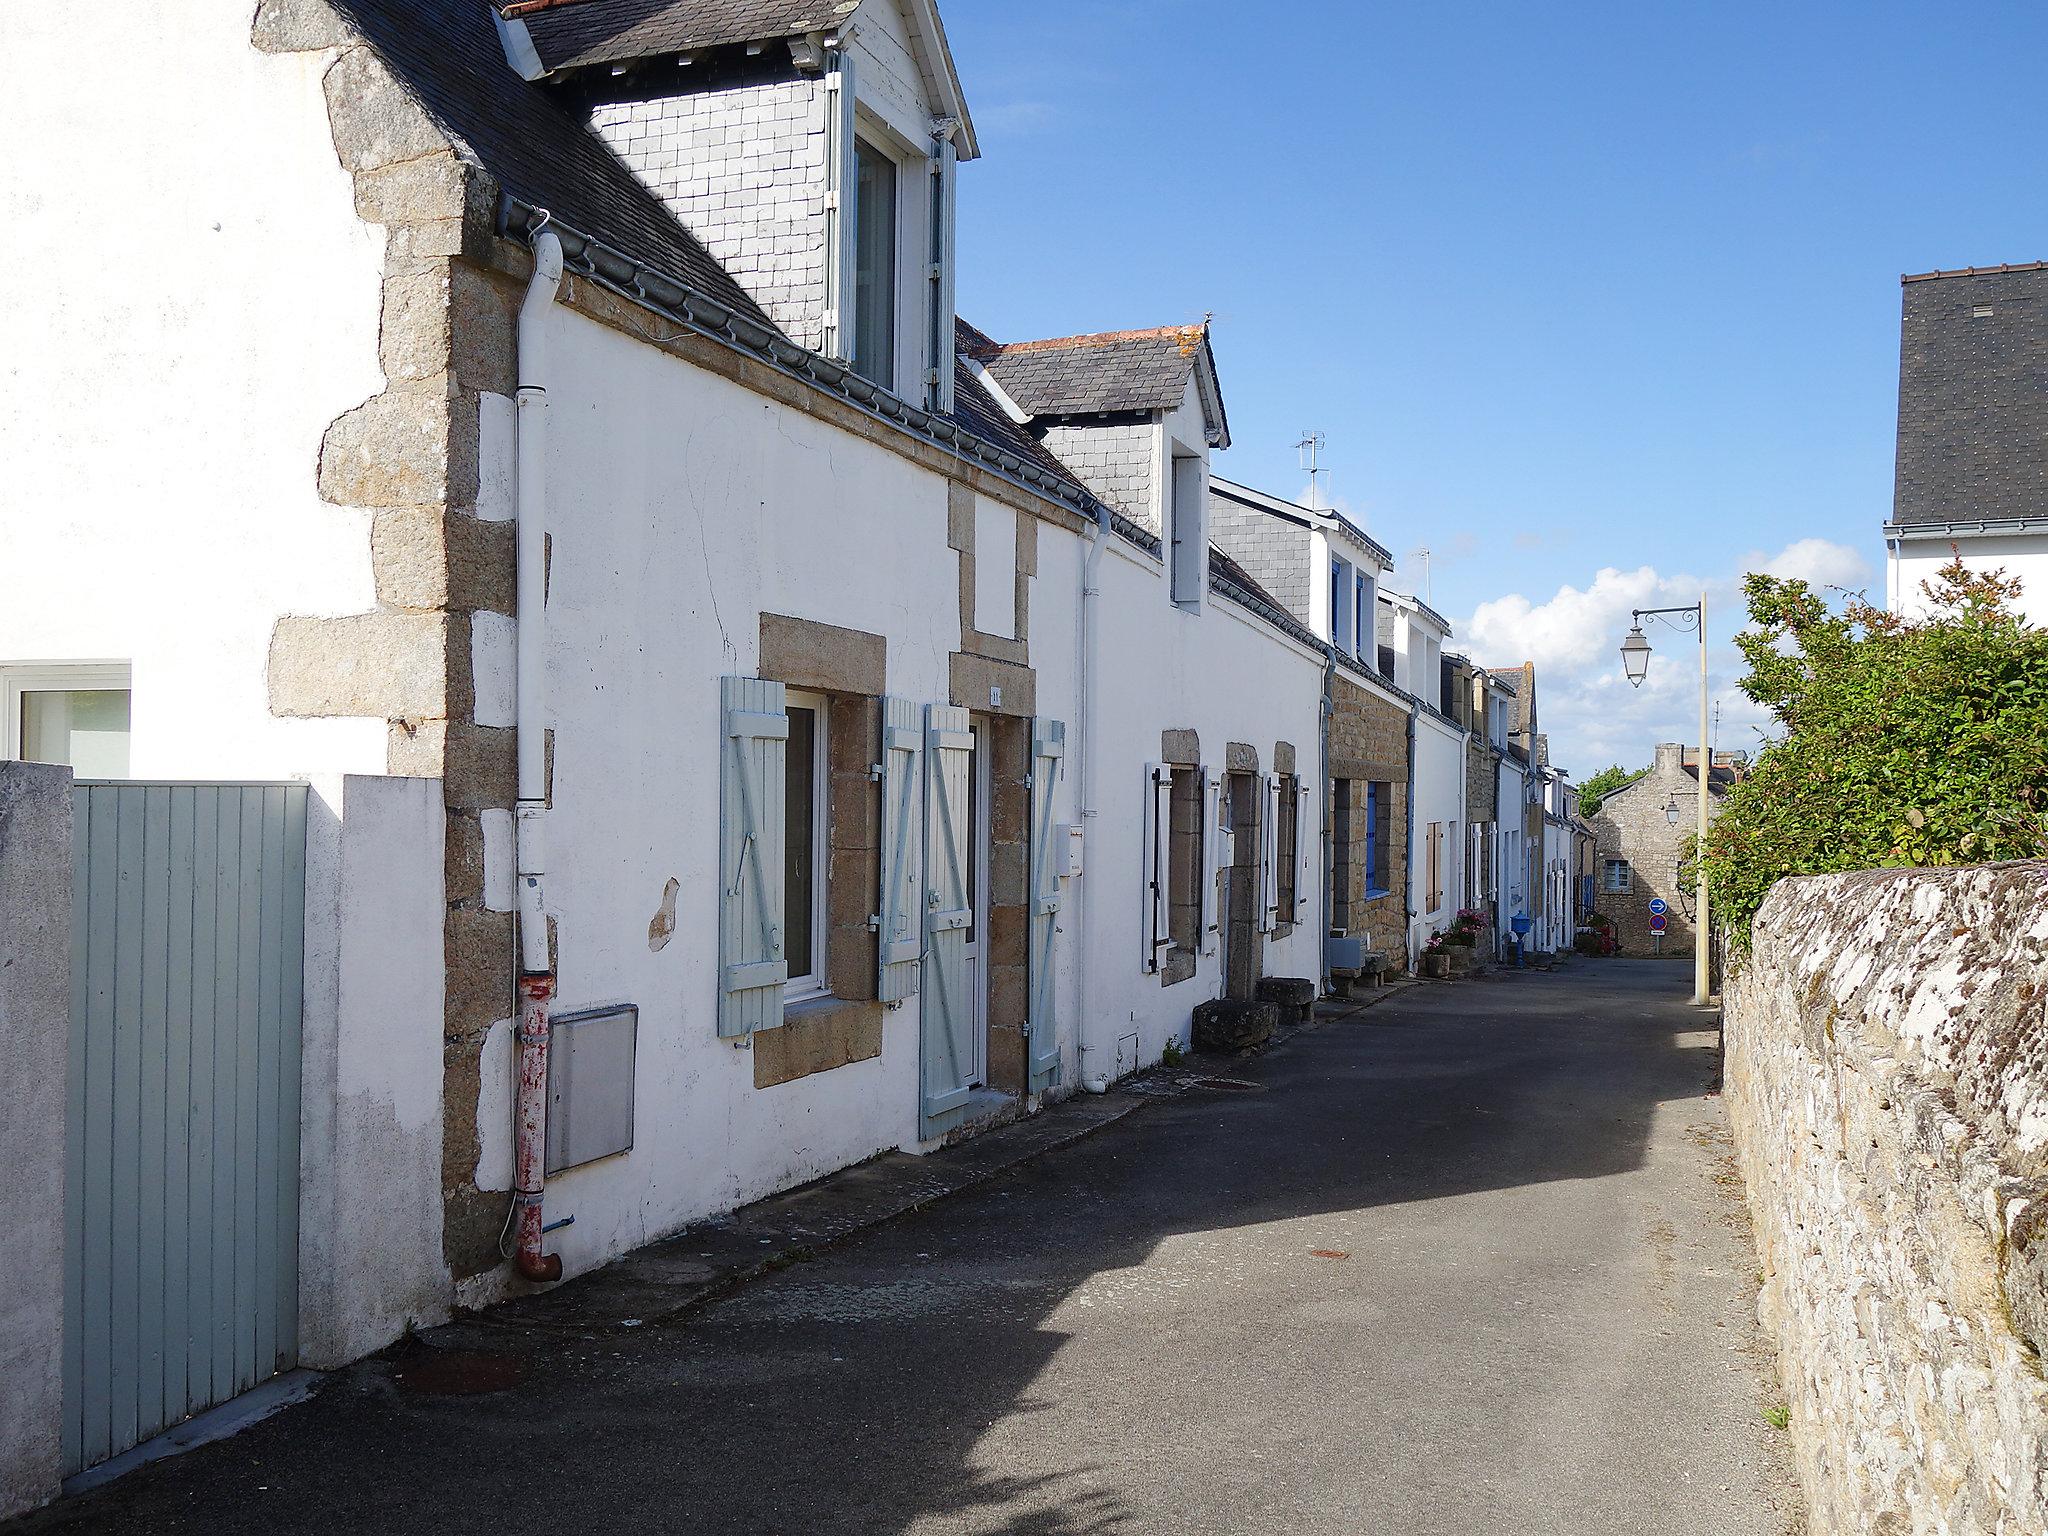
(1343, 606)
(816, 983)
(913, 247)
(19, 677)
(1187, 528)
(1365, 613)
(1626, 885)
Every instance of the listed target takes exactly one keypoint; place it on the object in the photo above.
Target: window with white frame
(1364, 611)
(805, 847)
(74, 714)
(1617, 878)
(1342, 633)
(875, 221)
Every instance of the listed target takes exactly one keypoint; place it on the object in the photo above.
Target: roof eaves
(678, 302)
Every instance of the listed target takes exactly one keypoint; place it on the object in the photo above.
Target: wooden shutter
(1306, 841)
(752, 966)
(1048, 756)
(899, 926)
(1212, 859)
(1157, 926)
(1269, 856)
(947, 1014)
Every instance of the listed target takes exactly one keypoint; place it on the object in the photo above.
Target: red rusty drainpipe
(529, 1169)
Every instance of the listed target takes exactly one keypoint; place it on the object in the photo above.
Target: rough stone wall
(1888, 1087)
(1113, 461)
(744, 169)
(434, 658)
(1369, 744)
(1632, 826)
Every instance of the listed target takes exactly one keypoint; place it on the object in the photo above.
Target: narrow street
(1471, 1260)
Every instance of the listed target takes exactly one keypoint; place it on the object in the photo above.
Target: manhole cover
(460, 1373)
(1226, 1084)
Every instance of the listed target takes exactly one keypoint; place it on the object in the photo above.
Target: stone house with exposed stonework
(607, 457)
(1640, 834)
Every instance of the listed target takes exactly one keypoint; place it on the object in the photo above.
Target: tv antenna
(1311, 449)
(1422, 554)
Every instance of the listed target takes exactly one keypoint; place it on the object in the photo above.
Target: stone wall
(1632, 825)
(1888, 1088)
(1369, 744)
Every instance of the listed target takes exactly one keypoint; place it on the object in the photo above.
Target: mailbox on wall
(590, 1085)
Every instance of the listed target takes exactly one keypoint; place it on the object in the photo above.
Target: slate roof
(573, 34)
(448, 54)
(1108, 371)
(1973, 403)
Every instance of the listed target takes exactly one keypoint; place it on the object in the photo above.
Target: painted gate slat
(152, 1049)
(181, 1268)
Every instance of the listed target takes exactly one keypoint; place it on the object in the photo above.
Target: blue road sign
(1658, 906)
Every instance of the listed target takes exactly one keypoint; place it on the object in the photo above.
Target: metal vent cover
(590, 1085)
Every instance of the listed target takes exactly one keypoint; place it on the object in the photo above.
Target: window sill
(1377, 895)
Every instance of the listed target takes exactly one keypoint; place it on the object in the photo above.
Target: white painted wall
(681, 506)
(370, 1253)
(1913, 561)
(1230, 677)
(1439, 779)
(195, 300)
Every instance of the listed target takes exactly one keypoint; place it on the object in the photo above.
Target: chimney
(1671, 757)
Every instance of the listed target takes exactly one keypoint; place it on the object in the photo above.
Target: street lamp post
(1635, 665)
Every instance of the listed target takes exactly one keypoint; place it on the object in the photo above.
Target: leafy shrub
(1905, 741)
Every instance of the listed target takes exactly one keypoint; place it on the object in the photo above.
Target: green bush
(1921, 742)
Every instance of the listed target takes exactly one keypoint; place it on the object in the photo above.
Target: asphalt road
(1470, 1261)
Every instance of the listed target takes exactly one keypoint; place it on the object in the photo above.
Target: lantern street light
(1635, 657)
(1635, 665)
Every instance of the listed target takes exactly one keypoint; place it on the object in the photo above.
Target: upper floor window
(874, 264)
(1617, 877)
(74, 715)
(1364, 609)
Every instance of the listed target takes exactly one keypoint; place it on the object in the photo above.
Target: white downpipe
(536, 973)
(1092, 1077)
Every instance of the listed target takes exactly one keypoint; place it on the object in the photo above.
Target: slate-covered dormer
(811, 145)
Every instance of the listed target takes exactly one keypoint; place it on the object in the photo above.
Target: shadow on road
(1016, 1360)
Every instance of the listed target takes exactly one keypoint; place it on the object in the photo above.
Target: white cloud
(1583, 702)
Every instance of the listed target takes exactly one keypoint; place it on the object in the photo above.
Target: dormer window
(875, 223)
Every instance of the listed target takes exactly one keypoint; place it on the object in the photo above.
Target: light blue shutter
(947, 1016)
(1269, 856)
(939, 287)
(1157, 930)
(751, 787)
(1048, 755)
(1212, 859)
(899, 927)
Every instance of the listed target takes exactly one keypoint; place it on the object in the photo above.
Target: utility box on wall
(590, 1085)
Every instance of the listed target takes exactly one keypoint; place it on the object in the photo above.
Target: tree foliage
(1603, 784)
(1906, 741)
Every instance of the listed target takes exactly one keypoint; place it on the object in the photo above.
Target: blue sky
(1568, 288)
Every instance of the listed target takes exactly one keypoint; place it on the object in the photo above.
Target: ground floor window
(1434, 865)
(1617, 878)
(72, 714)
(804, 844)
(1378, 839)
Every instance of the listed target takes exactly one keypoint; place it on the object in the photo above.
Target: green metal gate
(182, 1184)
